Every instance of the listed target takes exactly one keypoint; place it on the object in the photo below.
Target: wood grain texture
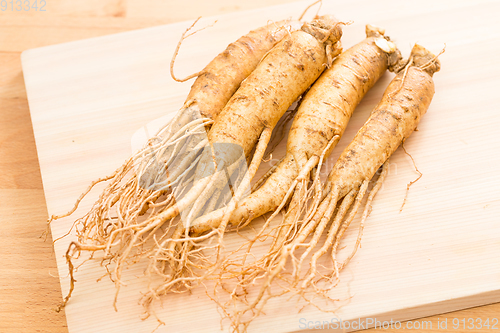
(29, 284)
(28, 292)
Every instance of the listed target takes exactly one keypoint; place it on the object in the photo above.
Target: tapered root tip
(425, 59)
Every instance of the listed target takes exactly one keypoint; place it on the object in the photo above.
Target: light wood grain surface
(29, 286)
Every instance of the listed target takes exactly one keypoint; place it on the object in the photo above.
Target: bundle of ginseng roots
(328, 209)
(173, 201)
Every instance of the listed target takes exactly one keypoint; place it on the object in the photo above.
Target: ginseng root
(320, 122)
(404, 102)
(147, 183)
(245, 122)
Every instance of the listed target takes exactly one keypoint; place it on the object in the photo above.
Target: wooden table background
(29, 286)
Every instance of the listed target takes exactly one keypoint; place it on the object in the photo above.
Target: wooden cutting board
(88, 98)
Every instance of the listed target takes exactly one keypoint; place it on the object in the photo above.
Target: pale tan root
(77, 203)
(403, 121)
(123, 197)
(393, 120)
(337, 229)
(318, 231)
(300, 198)
(191, 245)
(413, 181)
(334, 229)
(232, 268)
(125, 232)
(264, 292)
(129, 236)
(252, 169)
(232, 204)
(172, 61)
(113, 223)
(264, 264)
(265, 37)
(70, 254)
(152, 224)
(299, 181)
(366, 212)
(209, 194)
(172, 256)
(327, 33)
(312, 162)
